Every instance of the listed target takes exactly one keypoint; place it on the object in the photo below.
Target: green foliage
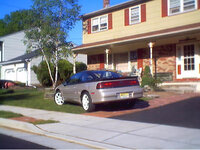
(147, 79)
(16, 21)
(65, 69)
(80, 66)
(43, 74)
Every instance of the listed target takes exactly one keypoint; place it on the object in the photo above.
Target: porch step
(179, 88)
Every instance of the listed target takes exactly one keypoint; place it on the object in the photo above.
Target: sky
(75, 35)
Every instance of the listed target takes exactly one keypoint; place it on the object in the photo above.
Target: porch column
(107, 54)
(113, 67)
(74, 63)
(151, 44)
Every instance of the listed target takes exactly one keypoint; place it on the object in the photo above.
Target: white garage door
(21, 75)
(10, 74)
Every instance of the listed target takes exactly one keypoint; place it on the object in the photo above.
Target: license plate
(124, 95)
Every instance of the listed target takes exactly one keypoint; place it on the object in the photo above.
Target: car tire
(58, 98)
(87, 104)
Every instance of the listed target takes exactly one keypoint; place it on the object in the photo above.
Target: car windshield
(106, 75)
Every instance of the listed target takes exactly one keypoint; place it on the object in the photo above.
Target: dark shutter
(89, 26)
(164, 8)
(110, 21)
(143, 13)
(126, 16)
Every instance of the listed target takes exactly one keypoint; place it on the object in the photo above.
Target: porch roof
(147, 37)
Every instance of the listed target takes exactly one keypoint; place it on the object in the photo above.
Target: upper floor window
(100, 23)
(179, 6)
(135, 15)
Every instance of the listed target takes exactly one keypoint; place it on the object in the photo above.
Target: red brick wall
(164, 59)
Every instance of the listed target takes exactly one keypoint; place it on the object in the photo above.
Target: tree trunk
(48, 66)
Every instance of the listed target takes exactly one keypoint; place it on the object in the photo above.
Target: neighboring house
(162, 34)
(16, 64)
(19, 68)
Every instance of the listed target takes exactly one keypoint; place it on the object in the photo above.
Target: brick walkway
(165, 98)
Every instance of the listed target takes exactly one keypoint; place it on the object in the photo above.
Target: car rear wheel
(87, 104)
(58, 98)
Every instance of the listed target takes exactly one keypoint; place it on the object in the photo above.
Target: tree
(52, 19)
(16, 21)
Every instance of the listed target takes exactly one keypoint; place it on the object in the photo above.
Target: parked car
(6, 84)
(92, 87)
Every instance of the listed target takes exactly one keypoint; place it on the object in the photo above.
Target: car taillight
(113, 84)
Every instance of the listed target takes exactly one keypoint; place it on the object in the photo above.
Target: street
(184, 114)
(13, 139)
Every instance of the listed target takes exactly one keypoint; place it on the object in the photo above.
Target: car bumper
(117, 94)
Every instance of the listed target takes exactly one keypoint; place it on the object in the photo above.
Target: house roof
(22, 58)
(112, 8)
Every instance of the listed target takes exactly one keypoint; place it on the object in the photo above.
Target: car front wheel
(58, 98)
(87, 104)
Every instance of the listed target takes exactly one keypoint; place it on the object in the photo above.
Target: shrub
(80, 66)
(65, 69)
(147, 79)
(43, 74)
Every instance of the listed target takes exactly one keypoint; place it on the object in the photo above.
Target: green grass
(8, 114)
(33, 98)
(44, 122)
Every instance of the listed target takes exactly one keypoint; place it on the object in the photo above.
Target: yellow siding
(154, 22)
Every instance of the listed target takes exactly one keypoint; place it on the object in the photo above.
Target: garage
(22, 75)
(9, 74)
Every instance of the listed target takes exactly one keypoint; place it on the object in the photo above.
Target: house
(16, 64)
(162, 34)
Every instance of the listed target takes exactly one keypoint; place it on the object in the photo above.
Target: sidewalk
(105, 133)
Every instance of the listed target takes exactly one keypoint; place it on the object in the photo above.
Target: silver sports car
(92, 87)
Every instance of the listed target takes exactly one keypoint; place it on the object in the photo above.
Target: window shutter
(109, 21)
(126, 16)
(164, 8)
(89, 26)
(198, 4)
(143, 13)
(179, 69)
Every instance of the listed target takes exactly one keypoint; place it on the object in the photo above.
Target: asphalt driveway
(185, 113)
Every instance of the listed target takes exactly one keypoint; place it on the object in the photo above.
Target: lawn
(33, 98)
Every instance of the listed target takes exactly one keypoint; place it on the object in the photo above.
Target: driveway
(185, 113)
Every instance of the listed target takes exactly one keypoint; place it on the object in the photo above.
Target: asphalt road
(8, 142)
(184, 114)
(14, 139)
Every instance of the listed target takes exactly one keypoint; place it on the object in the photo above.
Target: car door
(70, 90)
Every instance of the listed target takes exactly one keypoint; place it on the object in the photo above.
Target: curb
(28, 127)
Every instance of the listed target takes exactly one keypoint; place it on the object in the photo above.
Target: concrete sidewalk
(105, 133)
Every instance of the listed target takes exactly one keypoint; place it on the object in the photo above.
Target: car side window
(75, 79)
(86, 77)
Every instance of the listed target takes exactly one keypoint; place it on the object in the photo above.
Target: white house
(16, 64)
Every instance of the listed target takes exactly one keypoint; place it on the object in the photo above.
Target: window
(189, 57)
(135, 15)
(100, 23)
(75, 79)
(179, 6)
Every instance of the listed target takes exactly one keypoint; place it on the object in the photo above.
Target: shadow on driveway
(122, 105)
(184, 113)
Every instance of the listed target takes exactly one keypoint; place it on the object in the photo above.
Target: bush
(43, 74)
(65, 69)
(80, 66)
(147, 79)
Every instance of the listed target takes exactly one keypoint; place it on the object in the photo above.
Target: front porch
(174, 58)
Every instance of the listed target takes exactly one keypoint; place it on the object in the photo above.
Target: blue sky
(75, 35)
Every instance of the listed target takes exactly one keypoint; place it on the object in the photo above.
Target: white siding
(13, 45)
